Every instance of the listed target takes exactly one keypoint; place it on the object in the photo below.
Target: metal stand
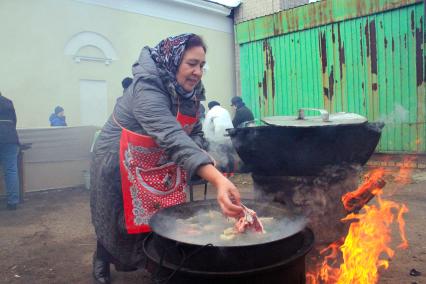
(191, 184)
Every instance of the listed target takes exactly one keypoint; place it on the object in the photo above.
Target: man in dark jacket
(242, 113)
(9, 147)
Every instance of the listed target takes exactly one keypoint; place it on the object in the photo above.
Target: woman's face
(191, 68)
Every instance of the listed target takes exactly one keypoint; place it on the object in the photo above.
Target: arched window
(90, 46)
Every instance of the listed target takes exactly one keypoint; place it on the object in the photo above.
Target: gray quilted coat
(148, 106)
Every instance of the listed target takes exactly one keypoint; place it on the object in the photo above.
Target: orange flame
(404, 174)
(368, 238)
(325, 271)
(401, 223)
(366, 247)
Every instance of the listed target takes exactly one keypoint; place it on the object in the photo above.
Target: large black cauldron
(305, 147)
(171, 261)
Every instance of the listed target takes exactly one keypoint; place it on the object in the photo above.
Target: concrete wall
(58, 157)
(250, 9)
(38, 71)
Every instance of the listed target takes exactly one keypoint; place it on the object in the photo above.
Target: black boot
(101, 271)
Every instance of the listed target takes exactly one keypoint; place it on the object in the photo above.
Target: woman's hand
(228, 195)
(228, 198)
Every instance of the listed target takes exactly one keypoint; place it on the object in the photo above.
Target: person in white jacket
(216, 122)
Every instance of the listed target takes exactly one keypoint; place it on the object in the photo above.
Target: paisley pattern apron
(149, 181)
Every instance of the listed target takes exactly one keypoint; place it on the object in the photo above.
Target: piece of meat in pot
(248, 221)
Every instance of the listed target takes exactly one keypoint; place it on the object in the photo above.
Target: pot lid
(324, 119)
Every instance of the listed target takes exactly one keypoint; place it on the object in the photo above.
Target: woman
(154, 138)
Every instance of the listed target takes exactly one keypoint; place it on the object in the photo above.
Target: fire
(326, 271)
(367, 246)
(368, 239)
(404, 174)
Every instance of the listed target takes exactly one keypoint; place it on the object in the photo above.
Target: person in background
(126, 83)
(147, 151)
(217, 121)
(58, 118)
(242, 113)
(9, 149)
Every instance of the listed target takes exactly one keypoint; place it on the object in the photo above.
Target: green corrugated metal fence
(362, 58)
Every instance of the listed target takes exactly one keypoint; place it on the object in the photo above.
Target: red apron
(149, 181)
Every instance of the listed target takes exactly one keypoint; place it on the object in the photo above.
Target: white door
(93, 102)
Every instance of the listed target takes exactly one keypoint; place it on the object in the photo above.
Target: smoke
(224, 154)
(207, 225)
(398, 115)
(317, 198)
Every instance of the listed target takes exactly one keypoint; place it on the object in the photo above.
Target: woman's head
(183, 57)
(195, 41)
(192, 64)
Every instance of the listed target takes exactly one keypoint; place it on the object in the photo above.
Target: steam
(223, 152)
(317, 198)
(211, 229)
(398, 115)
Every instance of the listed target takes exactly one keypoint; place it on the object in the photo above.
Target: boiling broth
(208, 227)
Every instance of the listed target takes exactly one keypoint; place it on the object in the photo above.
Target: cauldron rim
(308, 243)
(232, 131)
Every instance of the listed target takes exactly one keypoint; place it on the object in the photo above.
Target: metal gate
(360, 56)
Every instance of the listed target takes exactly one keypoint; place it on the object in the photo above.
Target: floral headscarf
(168, 55)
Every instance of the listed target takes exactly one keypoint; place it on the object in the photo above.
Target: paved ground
(50, 238)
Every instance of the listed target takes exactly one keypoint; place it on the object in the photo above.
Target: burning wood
(355, 200)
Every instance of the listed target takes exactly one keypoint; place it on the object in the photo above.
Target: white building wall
(42, 67)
